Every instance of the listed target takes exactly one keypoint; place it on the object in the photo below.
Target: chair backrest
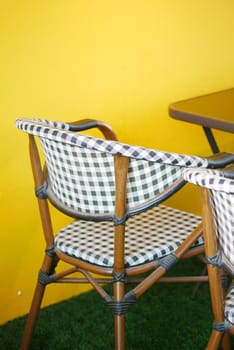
(220, 192)
(82, 171)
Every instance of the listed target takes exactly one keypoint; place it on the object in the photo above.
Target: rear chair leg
(226, 342)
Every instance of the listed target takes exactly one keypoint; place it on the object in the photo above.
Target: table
(211, 111)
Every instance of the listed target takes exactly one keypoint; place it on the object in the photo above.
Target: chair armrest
(220, 160)
(228, 172)
(86, 124)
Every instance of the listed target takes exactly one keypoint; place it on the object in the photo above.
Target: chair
(120, 231)
(218, 220)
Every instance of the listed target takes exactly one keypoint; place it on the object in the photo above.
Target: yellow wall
(121, 61)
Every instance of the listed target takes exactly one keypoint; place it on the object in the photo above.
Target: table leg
(211, 139)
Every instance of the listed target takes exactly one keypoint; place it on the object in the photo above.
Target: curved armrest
(220, 160)
(217, 180)
(228, 172)
(86, 124)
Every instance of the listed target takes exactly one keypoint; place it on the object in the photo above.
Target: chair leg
(226, 342)
(48, 266)
(199, 284)
(119, 320)
(119, 332)
(32, 317)
(215, 340)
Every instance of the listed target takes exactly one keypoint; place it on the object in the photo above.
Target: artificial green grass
(168, 316)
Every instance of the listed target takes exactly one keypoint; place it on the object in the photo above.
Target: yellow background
(119, 61)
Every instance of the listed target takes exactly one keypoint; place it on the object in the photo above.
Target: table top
(215, 110)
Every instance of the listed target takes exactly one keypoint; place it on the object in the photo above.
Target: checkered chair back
(221, 197)
(80, 168)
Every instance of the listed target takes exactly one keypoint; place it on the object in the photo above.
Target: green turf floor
(168, 316)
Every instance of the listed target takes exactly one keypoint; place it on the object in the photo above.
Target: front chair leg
(215, 340)
(119, 319)
(47, 267)
(119, 332)
(32, 317)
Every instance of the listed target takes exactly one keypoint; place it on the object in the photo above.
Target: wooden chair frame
(119, 275)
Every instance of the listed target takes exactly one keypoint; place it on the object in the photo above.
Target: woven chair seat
(147, 239)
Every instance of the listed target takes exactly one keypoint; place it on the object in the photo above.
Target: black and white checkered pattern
(149, 236)
(81, 176)
(221, 192)
(209, 178)
(80, 179)
(81, 171)
(147, 179)
(50, 123)
(32, 126)
(229, 305)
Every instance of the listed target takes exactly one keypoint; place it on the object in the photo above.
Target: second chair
(218, 221)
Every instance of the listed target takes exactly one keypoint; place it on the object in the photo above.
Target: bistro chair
(120, 230)
(218, 221)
